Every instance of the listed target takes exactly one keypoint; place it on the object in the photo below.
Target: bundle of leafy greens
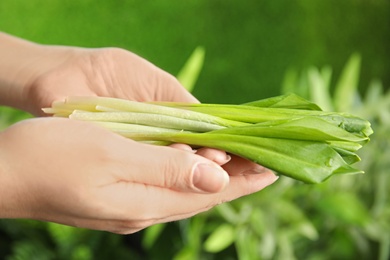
(287, 134)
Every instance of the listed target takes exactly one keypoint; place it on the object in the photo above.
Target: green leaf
(64, 236)
(228, 212)
(326, 74)
(345, 207)
(297, 218)
(247, 244)
(252, 114)
(294, 83)
(348, 156)
(189, 74)
(374, 93)
(289, 84)
(291, 101)
(30, 249)
(319, 88)
(9, 116)
(307, 229)
(268, 243)
(308, 161)
(304, 128)
(220, 239)
(151, 235)
(185, 253)
(286, 247)
(82, 252)
(347, 86)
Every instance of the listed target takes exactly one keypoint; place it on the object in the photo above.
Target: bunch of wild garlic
(287, 134)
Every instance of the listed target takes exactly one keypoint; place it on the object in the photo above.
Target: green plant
(285, 133)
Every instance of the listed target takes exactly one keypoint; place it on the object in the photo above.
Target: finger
(184, 147)
(218, 156)
(240, 166)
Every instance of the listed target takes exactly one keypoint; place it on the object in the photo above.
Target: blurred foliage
(10, 116)
(249, 45)
(189, 74)
(359, 206)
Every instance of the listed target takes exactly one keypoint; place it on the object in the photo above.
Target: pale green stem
(133, 106)
(146, 119)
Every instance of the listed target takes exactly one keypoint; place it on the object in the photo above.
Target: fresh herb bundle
(287, 134)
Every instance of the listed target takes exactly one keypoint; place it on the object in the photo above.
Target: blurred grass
(10, 116)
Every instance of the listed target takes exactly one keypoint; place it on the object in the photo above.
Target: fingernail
(275, 178)
(256, 170)
(223, 159)
(209, 178)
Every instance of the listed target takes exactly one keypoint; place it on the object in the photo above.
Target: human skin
(79, 174)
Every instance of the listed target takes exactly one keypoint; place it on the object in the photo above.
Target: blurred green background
(249, 44)
(254, 49)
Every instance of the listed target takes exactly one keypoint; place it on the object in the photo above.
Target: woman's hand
(79, 174)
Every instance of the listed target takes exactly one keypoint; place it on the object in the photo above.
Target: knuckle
(176, 173)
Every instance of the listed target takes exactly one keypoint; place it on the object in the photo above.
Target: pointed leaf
(347, 85)
(220, 239)
(307, 161)
(292, 101)
(305, 128)
(319, 90)
(189, 74)
(151, 235)
(345, 207)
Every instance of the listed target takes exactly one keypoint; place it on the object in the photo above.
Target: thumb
(174, 169)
